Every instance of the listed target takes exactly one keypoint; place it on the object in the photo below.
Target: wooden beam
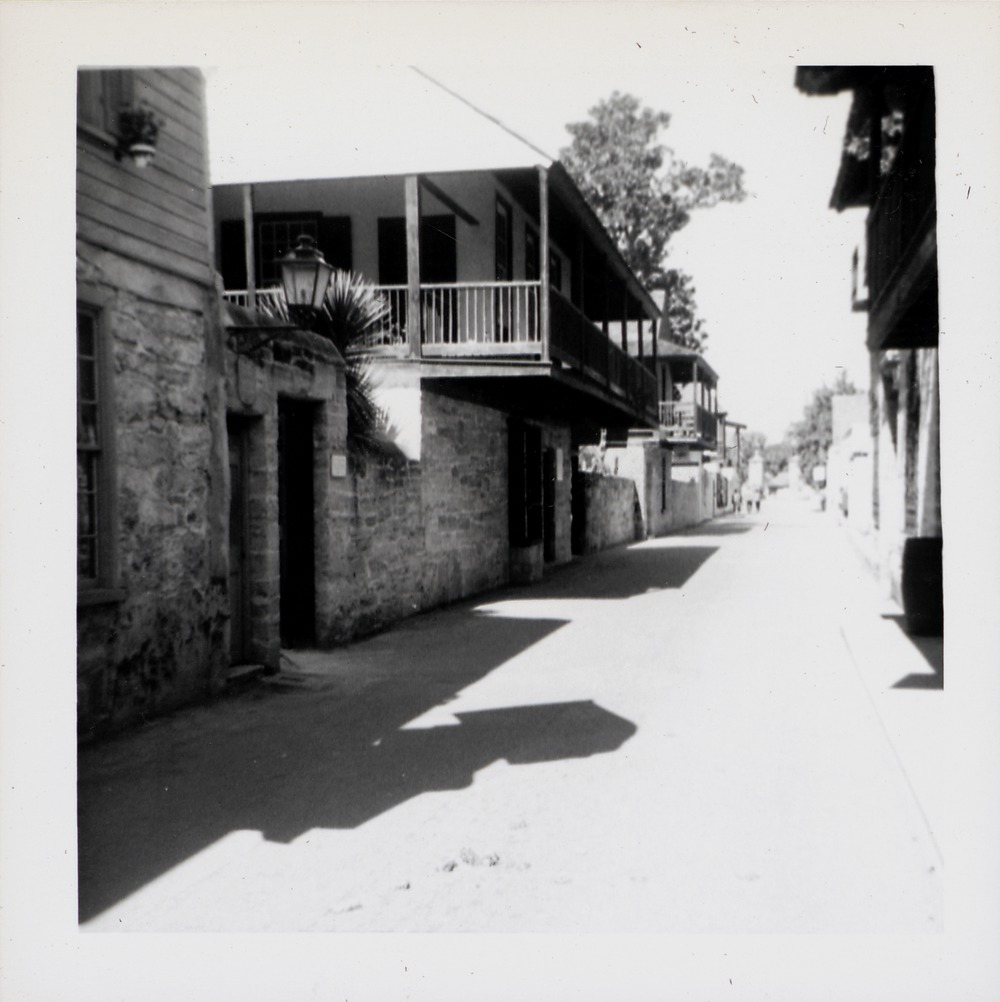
(625, 317)
(544, 302)
(445, 199)
(414, 320)
(248, 246)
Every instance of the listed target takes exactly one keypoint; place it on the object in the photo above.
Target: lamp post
(305, 276)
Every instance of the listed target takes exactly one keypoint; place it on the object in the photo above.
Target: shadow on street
(932, 651)
(646, 567)
(284, 762)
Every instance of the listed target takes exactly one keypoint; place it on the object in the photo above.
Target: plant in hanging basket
(138, 130)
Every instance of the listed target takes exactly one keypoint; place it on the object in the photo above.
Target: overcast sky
(772, 273)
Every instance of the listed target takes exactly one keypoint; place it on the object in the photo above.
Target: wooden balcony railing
(503, 319)
(265, 297)
(688, 420)
(577, 341)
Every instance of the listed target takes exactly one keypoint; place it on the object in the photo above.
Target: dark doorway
(578, 509)
(295, 523)
(239, 548)
(549, 505)
(525, 508)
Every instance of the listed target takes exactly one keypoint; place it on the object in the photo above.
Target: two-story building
(503, 350)
(888, 165)
(151, 539)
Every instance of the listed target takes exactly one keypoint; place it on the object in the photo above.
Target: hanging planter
(138, 131)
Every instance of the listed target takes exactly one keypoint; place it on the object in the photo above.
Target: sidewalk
(700, 733)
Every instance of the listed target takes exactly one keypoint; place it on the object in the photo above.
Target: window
(531, 273)
(531, 259)
(95, 517)
(555, 270)
(88, 449)
(100, 97)
(525, 485)
(275, 238)
(504, 242)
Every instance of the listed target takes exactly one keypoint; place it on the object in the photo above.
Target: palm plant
(352, 316)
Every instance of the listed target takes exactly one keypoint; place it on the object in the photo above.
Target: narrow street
(723, 731)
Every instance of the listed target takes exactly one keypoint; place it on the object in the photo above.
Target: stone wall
(613, 515)
(153, 638)
(414, 535)
(262, 371)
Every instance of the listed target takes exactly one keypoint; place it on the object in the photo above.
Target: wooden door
(239, 570)
(296, 554)
(549, 504)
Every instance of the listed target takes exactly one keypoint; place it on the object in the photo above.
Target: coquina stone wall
(613, 514)
(416, 534)
(154, 639)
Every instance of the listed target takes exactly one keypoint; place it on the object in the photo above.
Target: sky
(772, 273)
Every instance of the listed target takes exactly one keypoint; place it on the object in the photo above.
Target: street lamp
(305, 275)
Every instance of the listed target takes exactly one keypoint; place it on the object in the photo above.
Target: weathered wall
(151, 629)
(415, 535)
(907, 459)
(649, 466)
(686, 508)
(613, 517)
(155, 639)
(295, 366)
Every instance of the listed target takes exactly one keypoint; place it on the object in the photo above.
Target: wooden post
(414, 319)
(625, 318)
(543, 225)
(640, 339)
(248, 246)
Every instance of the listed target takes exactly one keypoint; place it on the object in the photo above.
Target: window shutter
(335, 241)
(232, 252)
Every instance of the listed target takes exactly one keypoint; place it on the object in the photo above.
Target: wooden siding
(158, 215)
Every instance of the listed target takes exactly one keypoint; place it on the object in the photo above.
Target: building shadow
(624, 572)
(284, 762)
(719, 529)
(931, 649)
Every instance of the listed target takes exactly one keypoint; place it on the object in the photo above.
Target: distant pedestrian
(736, 502)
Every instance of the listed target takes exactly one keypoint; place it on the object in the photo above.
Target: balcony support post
(624, 316)
(414, 321)
(248, 247)
(544, 304)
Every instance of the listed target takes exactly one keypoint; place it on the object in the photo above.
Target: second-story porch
(472, 299)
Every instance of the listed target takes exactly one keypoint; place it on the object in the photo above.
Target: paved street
(721, 731)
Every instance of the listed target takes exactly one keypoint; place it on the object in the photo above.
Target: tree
(643, 194)
(679, 311)
(811, 437)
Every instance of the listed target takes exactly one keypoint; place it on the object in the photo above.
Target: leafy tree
(811, 437)
(679, 311)
(643, 194)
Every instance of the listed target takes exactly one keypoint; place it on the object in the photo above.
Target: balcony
(687, 422)
(502, 321)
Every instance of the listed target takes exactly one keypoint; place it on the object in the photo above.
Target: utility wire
(479, 111)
